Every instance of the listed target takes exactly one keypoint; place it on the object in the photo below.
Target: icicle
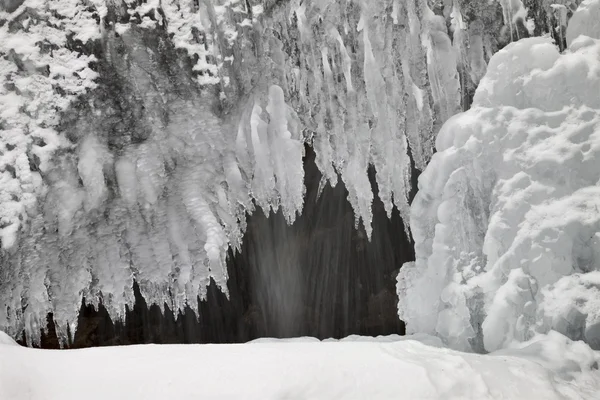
(92, 158)
(395, 11)
(263, 182)
(126, 178)
(442, 67)
(286, 154)
(512, 10)
(374, 82)
(346, 61)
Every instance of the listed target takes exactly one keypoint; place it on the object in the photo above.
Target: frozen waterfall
(139, 139)
(139, 135)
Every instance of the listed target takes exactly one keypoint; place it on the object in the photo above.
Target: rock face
(138, 135)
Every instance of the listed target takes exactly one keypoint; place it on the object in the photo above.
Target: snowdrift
(356, 368)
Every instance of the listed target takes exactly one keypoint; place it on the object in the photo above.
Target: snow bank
(551, 368)
(6, 340)
(506, 219)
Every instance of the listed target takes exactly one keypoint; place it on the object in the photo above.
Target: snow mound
(506, 218)
(553, 367)
(7, 340)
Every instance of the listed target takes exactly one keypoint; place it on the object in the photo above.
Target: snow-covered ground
(355, 368)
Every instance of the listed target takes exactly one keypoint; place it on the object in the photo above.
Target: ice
(195, 113)
(585, 21)
(441, 66)
(505, 218)
(287, 154)
(92, 160)
(512, 10)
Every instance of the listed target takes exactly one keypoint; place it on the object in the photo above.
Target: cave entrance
(319, 277)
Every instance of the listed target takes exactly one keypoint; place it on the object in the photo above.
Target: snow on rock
(572, 305)
(553, 367)
(507, 212)
(39, 79)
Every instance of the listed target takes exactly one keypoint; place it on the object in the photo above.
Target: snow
(6, 340)
(585, 21)
(507, 211)
(182, 18)
(304, 368)
(29, 103)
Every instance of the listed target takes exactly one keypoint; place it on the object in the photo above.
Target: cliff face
(138, 135)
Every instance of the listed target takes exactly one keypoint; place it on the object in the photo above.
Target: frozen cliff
(136, 136)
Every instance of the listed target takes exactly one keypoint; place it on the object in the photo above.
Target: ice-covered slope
(507, 215)
(357, 368)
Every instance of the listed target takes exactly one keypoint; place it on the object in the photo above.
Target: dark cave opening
(318, 277)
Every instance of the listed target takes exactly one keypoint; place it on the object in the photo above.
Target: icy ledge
(507, 219)
(552, 367)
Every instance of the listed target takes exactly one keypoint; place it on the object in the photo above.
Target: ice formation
(506, 219)
(137, 135)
